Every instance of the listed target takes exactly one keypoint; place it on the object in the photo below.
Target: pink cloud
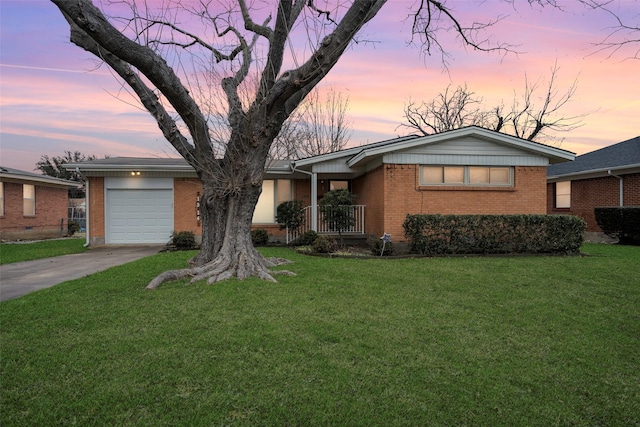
(50, 98)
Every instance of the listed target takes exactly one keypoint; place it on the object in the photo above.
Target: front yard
(27, 251)
(504, 341)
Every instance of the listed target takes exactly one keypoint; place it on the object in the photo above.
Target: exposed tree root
(224, 267)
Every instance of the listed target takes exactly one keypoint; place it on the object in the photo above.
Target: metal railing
(324, 226)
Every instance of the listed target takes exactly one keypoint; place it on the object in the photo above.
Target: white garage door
(139, 215)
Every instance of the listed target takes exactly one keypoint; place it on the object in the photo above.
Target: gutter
(621, 186)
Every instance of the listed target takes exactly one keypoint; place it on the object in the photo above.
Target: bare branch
(460, 108)
(620, 36)
(431, 18)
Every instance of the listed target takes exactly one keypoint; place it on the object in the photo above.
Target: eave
(595, 173)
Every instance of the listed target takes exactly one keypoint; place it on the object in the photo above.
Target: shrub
(73, 227)
(307, 238)
(622, 222)
(259, 237)
(290, 215)
(493, 234)
(336, 209)
(325, 244)
(381, 248)
(183, 240)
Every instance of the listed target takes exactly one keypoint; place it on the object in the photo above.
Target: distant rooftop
(17, 175)
(616, 156)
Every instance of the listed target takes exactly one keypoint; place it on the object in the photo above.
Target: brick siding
(370, 191)
(403, 195)
(52, 206)
(96, 211)
(185, 194)
(587, 194)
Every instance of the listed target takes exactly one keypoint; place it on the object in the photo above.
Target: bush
(183, 240)
(290, 215)
(381, 248)
(73, 227)
(307, 238)
(336, 209)
(259, 237)
(622, 222)
(494, 234)
(325, 244)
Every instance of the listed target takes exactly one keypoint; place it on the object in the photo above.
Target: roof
(24, 177)
(348, 161)
(621, 158)
(356, 156)
(154, 166)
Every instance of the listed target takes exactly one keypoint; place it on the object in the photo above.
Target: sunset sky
(54, 98)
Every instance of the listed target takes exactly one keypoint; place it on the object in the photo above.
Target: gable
(471, 146)
(466, 150)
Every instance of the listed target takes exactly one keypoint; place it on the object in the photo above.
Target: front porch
(314, 219)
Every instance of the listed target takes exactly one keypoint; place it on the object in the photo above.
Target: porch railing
(324, 227)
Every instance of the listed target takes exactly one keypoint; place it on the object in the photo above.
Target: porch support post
(314, 201)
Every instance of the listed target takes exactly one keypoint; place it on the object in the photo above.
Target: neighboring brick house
(609, 176)
(465, 171)
(32, 206)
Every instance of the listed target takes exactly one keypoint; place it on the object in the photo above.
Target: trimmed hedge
(183, 241)
(259, 237)
(622, 222)
(494, 234)
(325, 244)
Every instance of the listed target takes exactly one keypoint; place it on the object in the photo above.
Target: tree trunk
(227, 249)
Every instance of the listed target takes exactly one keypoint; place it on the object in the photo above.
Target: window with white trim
(494, 176)
(29, 199)
(563, 194)
(273, 193)
(1, 198)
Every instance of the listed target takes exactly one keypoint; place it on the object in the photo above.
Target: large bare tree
(269, 55)
(536, 115)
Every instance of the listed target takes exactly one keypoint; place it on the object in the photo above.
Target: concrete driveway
(23, 277)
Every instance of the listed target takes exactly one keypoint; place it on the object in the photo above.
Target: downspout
(314, 197)
(621, 186)
(86, 207)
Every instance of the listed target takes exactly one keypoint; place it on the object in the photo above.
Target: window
(466, 175)
(338, 185)
(1, 198)
(563, 194)
(29, 199)
(273, 193)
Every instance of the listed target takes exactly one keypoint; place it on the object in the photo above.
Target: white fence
(324, 226)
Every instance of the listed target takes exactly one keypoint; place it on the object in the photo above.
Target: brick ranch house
(465, 171)
(609, 176)
(33, 206)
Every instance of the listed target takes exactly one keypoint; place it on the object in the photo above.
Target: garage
(138, 210)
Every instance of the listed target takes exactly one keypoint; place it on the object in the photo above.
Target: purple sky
(53, 97)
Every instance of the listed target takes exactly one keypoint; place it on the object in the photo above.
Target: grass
(525, 341)
(27, 251)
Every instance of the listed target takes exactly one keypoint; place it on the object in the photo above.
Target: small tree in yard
(290, 215)
(336, 207)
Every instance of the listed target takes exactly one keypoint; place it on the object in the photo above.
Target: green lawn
(27, 251)
(487, 341)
